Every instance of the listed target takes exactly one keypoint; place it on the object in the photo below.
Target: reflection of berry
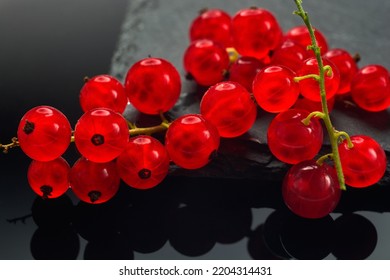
(365, 163)
(44, 133)
(311, 190)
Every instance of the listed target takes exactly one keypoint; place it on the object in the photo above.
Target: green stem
(333, 137)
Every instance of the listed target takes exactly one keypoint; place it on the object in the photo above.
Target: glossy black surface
(46, 49)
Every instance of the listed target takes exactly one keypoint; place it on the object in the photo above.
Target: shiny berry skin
(346, 65)
(153, 85)
(213, 24)
(49, 179)
(290, 140)
(206, 61)
(311, 106)
(229, 107)
(144, 163)
(310, 190)
(94, 182)
(103, 91)
(301, 35)
(244, 70)
(370, 88)
(255, 32)
(191, 141)
(44, 133)
(310, 88)
(101, 134)
(290, 54)
(274, 88)
(364, 164)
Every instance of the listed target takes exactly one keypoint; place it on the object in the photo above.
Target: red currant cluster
(243, 61)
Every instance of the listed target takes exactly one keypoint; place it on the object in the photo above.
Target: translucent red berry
(94, 182)
(244, 70)
(290, 140)
(301, 35)
(49, 179)
(274, 88)
(191, 141)
(206, 61)
(365, 163)
(103, 91)
(346, 65)
(255, 32)
(101, 134)
(44, 133)
(153, 85)
(311, 106)
(229, 107)
(311, 190)
(310, 88)
(290, 54)
(212, 24)
(370, 88)
(144, 163)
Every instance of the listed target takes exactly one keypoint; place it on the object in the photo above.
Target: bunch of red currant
(245, 62)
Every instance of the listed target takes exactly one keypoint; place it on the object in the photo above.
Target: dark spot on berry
(46, 191)
(28, 127)
(94, 196)
(97, 139)
(144, 173)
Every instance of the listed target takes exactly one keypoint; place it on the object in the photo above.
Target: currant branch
(323, 70)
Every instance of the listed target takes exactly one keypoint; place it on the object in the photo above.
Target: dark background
(48, 47)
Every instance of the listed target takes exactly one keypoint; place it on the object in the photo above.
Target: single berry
(212, 24)
(103, 91)
(346, 65)
(144, 163)
(310, 88)
(191, 141)
(311, 190)
(370, 88)
(290, 54)
(153, 85)
(229, 107)
(290, 140)
(49, 179)
(365, 163)
(94, 182)
(255, 32)
(311, 106)
(274, 88)
(244, 70)
(44, 133)
(101, 134)
(206, 61)
(301, 35)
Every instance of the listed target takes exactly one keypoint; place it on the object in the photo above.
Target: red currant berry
(213, 24)
(274, 88)
(310, 88)
(153, 85)
(290, 140)
(370, 88)
(49, 179)
(144, 163)
(364, 164)
(289, 54)
(191, 141)
(94, 182)
(301, 35)
(255, 32)
(346, 66)
(206, 61)
(311, 190)
(311, 106)
(244, 70)
(44, 133)
(229, 107)
(101, 134)
(103, 91)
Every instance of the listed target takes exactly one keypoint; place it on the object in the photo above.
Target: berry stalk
(333, 135)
